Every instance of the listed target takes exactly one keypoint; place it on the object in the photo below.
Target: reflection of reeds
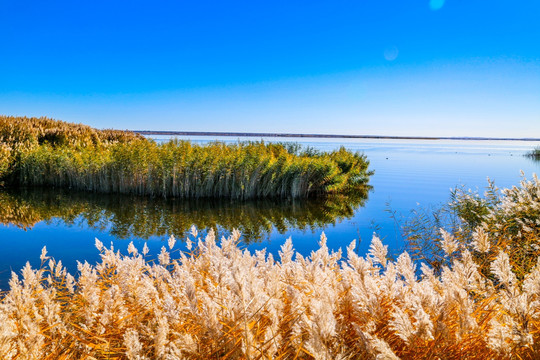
(221, 302)
(79, 157)
(142, 217)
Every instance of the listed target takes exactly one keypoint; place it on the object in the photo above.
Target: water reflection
(137, 217)
(534, 158)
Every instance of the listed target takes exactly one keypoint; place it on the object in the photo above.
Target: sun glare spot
(391, 53)
(436, 4)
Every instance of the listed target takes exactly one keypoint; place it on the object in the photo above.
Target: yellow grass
(220, 302)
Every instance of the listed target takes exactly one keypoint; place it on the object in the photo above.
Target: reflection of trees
(125, 216)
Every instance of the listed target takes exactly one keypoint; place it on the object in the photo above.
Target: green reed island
(45, 152)
(534, 154)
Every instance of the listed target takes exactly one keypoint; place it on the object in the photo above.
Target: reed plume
(222, 302)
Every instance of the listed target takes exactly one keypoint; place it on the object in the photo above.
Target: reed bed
(503, 219)
(24, 132)
(222, 302)
(121, 162)
(534, 154)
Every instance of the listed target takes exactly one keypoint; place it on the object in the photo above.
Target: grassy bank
(36, 153)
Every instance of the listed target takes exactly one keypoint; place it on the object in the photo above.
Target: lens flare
(436, 4)
(391, 53)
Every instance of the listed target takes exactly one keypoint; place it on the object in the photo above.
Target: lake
(409, 174)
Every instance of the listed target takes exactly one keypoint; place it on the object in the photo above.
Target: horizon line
(332, 136)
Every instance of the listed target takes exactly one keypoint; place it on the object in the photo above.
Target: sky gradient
(374, 67)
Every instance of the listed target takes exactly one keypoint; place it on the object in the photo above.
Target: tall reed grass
(121, 162)
(534, 154)
(498, 220)
(222, 302)
(24, 132)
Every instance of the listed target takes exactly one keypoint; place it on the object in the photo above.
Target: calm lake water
(408, 175)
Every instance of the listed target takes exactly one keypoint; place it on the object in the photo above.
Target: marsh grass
(222, 302)
(498, 220)
(534, 154)
(35, 153)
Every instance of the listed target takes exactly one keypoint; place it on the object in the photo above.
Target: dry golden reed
(222, 302)
(501, 220)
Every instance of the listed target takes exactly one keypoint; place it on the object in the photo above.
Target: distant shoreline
(324, 136)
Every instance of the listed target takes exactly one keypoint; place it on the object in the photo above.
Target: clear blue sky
(418, 67)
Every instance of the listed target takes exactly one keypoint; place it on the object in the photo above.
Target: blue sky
(419, 67)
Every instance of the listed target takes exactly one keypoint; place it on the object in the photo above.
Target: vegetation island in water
(45, 152)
